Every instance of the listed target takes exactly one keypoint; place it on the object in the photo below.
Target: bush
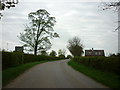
(11, 59)
(69, 57)
(106, 64)
(29, 58)
(43, 57)
(62, 56)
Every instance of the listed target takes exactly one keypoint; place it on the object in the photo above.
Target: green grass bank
(108, 79)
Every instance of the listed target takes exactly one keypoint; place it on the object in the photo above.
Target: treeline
(12, 59)
(104, 64)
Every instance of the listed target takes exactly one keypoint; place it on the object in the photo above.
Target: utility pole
(7, 46)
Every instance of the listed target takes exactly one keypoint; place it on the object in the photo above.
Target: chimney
(92, 49)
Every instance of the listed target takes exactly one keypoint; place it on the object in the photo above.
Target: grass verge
(11, 73)
(108, 79)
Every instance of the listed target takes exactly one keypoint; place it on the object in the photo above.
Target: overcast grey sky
(74, 18)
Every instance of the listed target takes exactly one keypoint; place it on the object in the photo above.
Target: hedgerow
(105, 64)
(11, 59)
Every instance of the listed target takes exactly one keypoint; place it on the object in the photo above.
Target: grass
(11, 73)
(108, 79)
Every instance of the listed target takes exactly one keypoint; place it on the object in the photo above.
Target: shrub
(69, 56)
(62, 56)
(11, 59)
(29, 58)
(107, 64)
(43, 57)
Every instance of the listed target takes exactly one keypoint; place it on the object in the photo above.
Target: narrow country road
(55, 74)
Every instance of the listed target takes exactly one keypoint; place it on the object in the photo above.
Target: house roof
(92, 52)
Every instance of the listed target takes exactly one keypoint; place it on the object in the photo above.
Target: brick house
(92, 52)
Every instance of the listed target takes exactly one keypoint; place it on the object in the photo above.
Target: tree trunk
(35, 49)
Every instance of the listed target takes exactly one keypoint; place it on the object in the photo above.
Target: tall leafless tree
(112, 5)
(75, 46)
(7, 4)
(37, 35)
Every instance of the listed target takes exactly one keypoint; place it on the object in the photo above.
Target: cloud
(74, 18)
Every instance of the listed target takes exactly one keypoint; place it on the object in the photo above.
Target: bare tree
(112, 5)
(7, 4)
(53, 53)
(61, 52)
(37, 36)
(75, 46)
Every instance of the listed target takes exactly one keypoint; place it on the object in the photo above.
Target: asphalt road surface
(55, 74)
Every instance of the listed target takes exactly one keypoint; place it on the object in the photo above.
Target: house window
(96, 53)
(99, 53)
(89, 53)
